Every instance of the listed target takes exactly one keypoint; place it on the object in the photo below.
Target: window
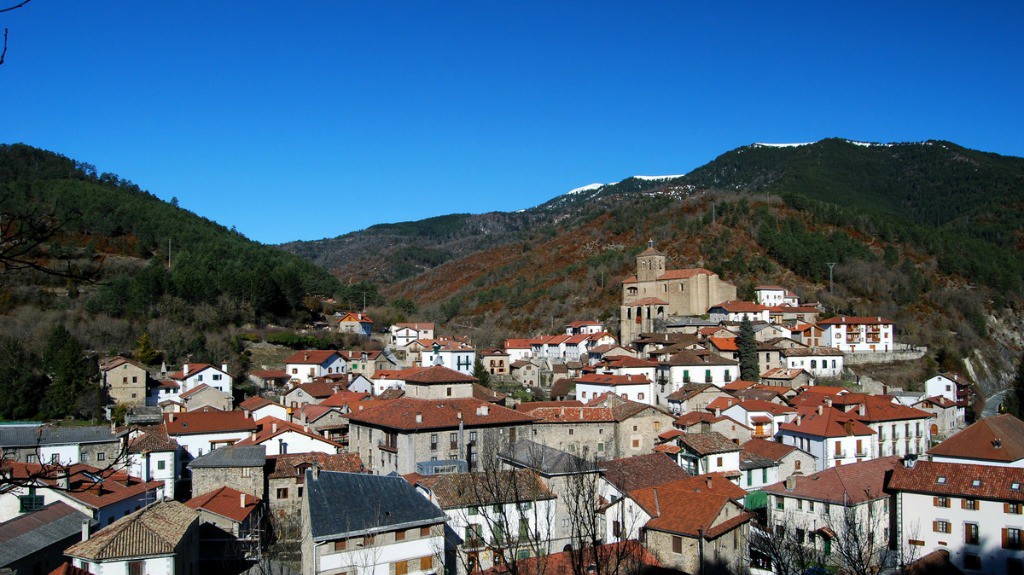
(969, 504)
(426, 563)
(976, 483)
(677, 544)
(136, 567)
(1012, 508)
(30, 502)
(719, 462)
(640, 396)
(453, 440)
(472, 437)
(972, 562)
(30, 459)
(299, 495)
(796, 465)
(474, 510)
(161, 465)
(401, 567)
(85, 457)
(636, 444)
(1011, 538)
(433, 442)
(340, 545)
(971, 536)
(282, 493)
(780, 502)
(246, 472)
(101, 456)
(54, 459)
(942, 527)
(800, 504)
(940, 501)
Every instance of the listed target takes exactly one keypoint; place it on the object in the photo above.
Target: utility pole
(831, 286)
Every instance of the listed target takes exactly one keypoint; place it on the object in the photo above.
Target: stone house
(945, 419)
(286, 477)
(125, 380)
(713, 526)
(240, 468)
(398, 434)
(792, 378)
(526, 372)
(203, 395)
(310, 393)
(693, 397)
(764, 462)
(235, 520)
(96, 445)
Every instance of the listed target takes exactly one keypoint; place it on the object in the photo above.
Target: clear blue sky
(312, 119)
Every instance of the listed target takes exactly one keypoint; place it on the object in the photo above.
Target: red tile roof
(343, 397)
(856, 320)
(399, 374)
(195, 390)
(193, 368)
(402, 414)
(111, 487)
(705, 497)
(255, 402)
(438, 374)
(153, 438)
(621, 361)
(528, 406)
(631, 554)
(66, 568)
(207, 421)
(992, 482)
(768, 449)
(724, 343)
(613, 380)
(226, 502)
(831, 422)
(846, 485)
(310, 356)
(740, 306)
(999, 438)
(573, 414)
(269, 374)
(294, 464)
(270, 427)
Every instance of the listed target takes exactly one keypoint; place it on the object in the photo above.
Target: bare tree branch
(15, 7)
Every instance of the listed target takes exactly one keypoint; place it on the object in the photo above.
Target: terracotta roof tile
(705, 495)
(631, 473)
(207, 421)
(153, 438)
(310, 357)
(226, 502)
(111, 487)
(999, 438)
(153, 530)
(847, 484)
(438, 374)
(768, 449)
(295, 464)
(961, 479)
(707, 443)
(856, 320)
(402, 414)
(613, 380)
(457, 490)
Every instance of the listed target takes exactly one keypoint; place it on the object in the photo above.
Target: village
(708, 435)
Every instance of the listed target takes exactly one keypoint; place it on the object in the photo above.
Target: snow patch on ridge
(582, 189)
(658, 177)
(767, 145)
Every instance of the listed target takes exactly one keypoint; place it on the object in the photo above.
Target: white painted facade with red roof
(193, 375)
(764, 417)
(738, 310)
(281, 437)
(856, 334)
(452, 354)
(636, 388)
(584, 327)
(306, 365)
(402, 334)
(834, 438)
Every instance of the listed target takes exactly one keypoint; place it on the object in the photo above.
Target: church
(656, 293)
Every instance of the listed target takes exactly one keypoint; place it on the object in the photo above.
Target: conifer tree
(746, 344)
(144, 351)
(1013, 401)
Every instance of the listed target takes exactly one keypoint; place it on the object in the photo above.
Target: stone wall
(245, 479)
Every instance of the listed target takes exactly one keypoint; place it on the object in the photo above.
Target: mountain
(111, 260)
(928, 232)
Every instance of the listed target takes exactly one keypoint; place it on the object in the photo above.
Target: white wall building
(853, 334)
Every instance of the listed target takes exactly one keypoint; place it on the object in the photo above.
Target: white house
(257, 407)
(153, 456)
(158, 540)
(452, 354)
(584, 327)
(954, 388)
(854, 334)
(764, 417)
(972, 511)
(831, 436)
(633, 387)
(389, 529)
(280, 437)
(508, 514)
(402, 334)
(199, 432)
(997, 441)
(771, 295)
(194, 374)
(738, 310)
(840, 502)
(697, 366)
(820, 362)
(306, 365)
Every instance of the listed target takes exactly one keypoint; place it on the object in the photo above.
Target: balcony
(389, 447)
(839, 454)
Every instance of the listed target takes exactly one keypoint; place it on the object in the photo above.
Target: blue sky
(312, 119)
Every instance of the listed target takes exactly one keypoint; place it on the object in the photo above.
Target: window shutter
(935, 501)
(1005, 537)
(935, 526)
(963, 504)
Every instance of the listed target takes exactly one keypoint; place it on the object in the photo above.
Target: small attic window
(1015, 486)
(976, 483)
(941, 480)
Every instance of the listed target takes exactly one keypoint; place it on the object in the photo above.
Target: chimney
(419, 417)
(997, 443)
(709, 481)
(64, 481)
(85, 530)
(718, 412)
(657, 504)
(821, 409)
(828, 402)
(246, 413)
(862, 410)
(459, 416)
(184, 369)
(316, 470)
(799, 419)
(305, 357)
(848, 426)
(170, 417)
(241, 500)
(273, 427)
(224, 367)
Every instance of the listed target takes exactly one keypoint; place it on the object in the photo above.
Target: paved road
(992, 404)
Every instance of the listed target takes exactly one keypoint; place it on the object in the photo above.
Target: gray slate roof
(234, 456)
(351, 504)
(31, 435)
(544, 459)
(33, 532)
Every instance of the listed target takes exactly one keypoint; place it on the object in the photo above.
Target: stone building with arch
(656, 293)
